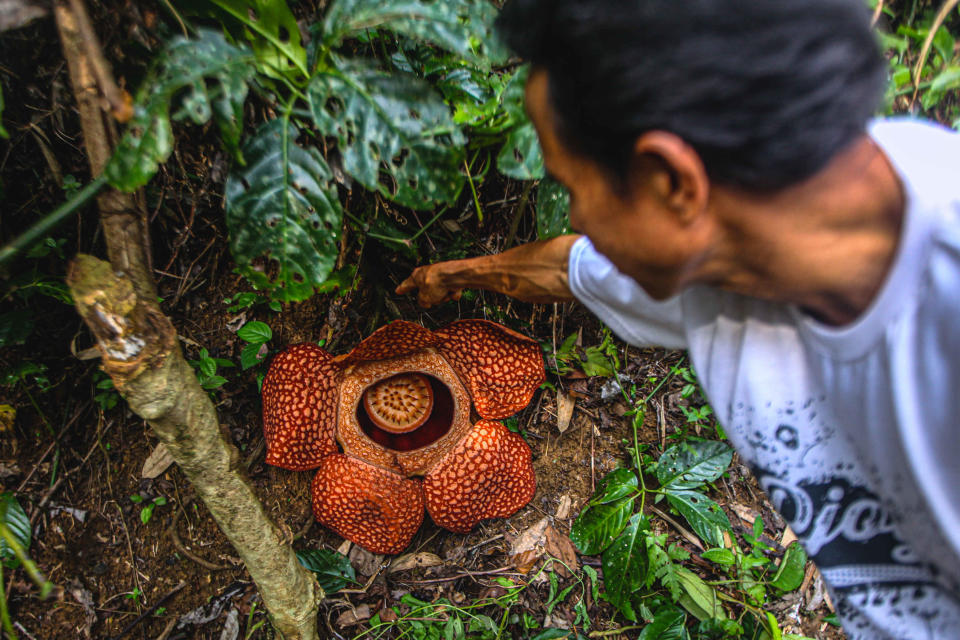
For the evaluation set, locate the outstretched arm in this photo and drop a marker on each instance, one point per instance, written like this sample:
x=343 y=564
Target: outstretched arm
x=534 y=272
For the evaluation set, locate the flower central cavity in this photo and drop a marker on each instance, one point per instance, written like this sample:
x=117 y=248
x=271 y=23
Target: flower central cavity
x=400 y=403
x=406 y=411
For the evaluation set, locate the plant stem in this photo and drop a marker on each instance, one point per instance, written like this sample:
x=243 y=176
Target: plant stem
x=51 y=220
x=4 y=612
x=473 y=190
x=42 y=583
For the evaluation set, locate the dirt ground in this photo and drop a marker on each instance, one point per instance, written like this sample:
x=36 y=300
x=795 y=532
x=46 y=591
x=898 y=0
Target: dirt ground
x=74 y=464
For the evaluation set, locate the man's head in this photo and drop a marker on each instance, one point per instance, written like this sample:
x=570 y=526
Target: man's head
x=765 y=92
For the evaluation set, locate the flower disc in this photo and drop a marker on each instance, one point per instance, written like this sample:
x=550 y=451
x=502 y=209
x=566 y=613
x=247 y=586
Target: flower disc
x=400 y=403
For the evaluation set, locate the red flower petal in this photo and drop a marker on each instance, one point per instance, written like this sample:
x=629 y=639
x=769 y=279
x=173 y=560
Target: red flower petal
x=501 y=367
x=489 y=474
x=375 y=508
x=396 y=339
x=300 y=407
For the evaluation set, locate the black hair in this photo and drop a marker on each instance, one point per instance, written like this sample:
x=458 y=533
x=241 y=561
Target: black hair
x=766 y=91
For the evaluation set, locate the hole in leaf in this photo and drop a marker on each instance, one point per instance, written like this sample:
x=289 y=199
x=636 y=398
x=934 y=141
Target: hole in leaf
x=252 y=14
x=386 y=180
x=272 y=222
x=518 y=156
x=283 y=34
x=297 y=277
x=414 y=114
x=333 y=106
x=400 y=158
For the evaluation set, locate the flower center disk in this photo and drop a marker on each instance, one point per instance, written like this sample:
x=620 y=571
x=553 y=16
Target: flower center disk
x=400 y=403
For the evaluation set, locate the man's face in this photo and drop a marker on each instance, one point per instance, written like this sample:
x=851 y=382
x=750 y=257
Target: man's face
x=628 y=225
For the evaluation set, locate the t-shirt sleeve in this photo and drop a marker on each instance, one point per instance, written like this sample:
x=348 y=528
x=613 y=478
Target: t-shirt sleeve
x=621 y=303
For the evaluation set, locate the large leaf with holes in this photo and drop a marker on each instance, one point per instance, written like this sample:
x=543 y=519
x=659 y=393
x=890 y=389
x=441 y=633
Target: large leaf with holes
x=625 y=565
x=553 y=209
x=395 y=133
x=209 y=77
x=689 y=464
x=272 y=31
x=704 y=515
x=283 y=214
x=520 y=157
x=464 y=27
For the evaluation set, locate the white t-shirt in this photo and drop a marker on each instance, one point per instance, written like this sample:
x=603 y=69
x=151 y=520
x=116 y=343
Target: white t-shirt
x=854 y=432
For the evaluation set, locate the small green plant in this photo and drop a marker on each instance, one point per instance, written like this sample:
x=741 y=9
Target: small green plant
x=106 y=395
x=249 y=299
x=207 y=367
x=256 y=334
x=147 y=506
x=598 y=360
x=332 y=570
x=15 y=541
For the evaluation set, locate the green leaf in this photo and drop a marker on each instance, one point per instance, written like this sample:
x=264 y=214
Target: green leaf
x=333 y=569
x=598 y=525
x=283 y=206
x=13 y=516
x=463 y=27
x=255 y=332
x=395 y=133
x=553 y=209
x=699 y=598
x=15 y=327
x=213 y=382
x=689 y=464
x=521 y=158
x=210 y=74
x=208 y=367
x=790 y=573
x=552 y=633
x=946 y=80
x=720 y=556
x=250 y=355
x=667 y=624
x=704 y=515
x=625 y=565
x=272 y=31
x=147 y=512
x=617 y=484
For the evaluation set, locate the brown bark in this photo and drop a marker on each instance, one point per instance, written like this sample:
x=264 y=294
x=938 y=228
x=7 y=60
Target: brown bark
x=141 y=354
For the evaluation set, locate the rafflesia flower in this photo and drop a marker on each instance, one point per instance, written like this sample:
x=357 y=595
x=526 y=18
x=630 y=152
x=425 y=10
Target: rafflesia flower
x=390 y=430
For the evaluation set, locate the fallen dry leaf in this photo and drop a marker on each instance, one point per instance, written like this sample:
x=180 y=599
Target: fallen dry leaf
x=414 y=560
x=560 y=547
x=565 y=405
x=157 y=462
x=563 y=509
x=529 y=547
x=355 y=616
x=365 y=563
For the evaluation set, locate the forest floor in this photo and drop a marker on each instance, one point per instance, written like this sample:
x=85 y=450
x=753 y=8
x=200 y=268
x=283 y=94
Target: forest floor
x=139 y=557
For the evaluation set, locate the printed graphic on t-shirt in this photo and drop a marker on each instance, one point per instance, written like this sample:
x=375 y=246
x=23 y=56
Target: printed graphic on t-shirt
x=813 y=477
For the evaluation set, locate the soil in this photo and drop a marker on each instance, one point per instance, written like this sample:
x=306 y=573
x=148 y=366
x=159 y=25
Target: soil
x=74 y=464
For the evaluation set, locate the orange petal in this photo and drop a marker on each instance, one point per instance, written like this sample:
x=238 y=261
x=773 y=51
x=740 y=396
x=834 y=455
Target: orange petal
x=375 y=508
x=501 y=367
x=489 y=474
x=300 y=407
x=396 y=339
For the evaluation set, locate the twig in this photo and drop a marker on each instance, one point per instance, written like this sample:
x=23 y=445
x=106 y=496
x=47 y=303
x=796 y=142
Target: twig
x=945 y=10
x=51 y=220
x=121 y=105
x=463 y=574
x=518 y=214
x=689 y=537
x=133 y=559
x=876 y=13
x=180 y=547
x=140 y=618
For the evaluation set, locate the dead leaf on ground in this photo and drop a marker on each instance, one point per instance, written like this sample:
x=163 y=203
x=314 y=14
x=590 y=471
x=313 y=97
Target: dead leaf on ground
x=355 y=616
x=560 y=547
x=364 y=562
x=565 y=406
x=563 y=509
x=415 y=560
x=745 y=513
x=157 y=462
x=529 y=547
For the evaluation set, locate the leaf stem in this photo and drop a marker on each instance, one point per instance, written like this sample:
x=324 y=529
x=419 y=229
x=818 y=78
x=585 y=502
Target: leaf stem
x=473 y=190
x=51 y=220
x=4 y=612
x=42 y=583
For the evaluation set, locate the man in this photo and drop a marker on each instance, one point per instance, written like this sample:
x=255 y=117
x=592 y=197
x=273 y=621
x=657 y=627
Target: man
x=735 y=201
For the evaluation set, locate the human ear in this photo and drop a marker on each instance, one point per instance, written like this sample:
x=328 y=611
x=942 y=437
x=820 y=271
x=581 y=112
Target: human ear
x=679 y=179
